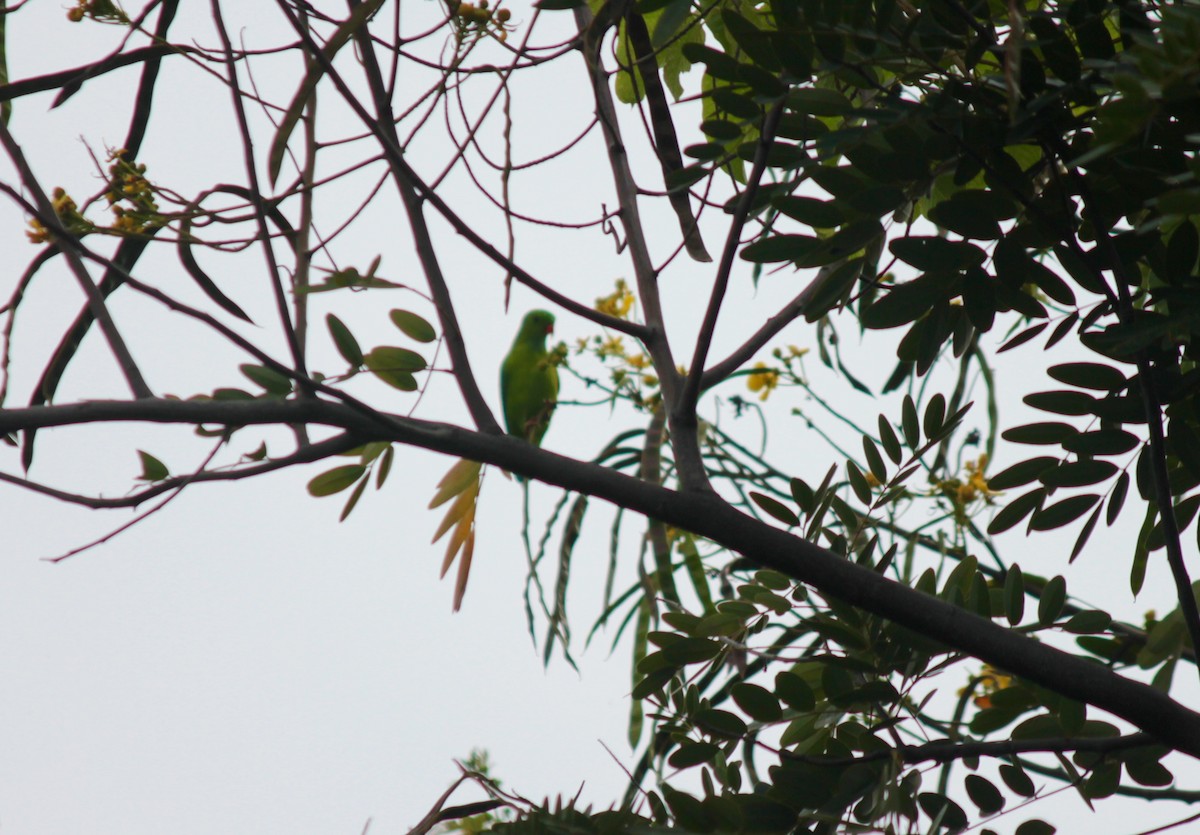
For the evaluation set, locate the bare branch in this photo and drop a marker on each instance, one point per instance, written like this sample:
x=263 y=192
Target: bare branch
x=705 y=514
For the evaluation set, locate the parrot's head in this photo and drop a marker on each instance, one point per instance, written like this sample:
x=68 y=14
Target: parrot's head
x=537 y=324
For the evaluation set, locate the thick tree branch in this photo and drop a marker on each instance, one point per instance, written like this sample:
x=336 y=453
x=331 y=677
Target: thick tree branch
x=666 y=143
x=945 y=750
x=71 y=80
x=691 y=389
x=682 y=422
x=704 y=514
x=260 y=216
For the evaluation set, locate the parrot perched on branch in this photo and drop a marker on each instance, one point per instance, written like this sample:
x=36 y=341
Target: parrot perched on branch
x=529 y=379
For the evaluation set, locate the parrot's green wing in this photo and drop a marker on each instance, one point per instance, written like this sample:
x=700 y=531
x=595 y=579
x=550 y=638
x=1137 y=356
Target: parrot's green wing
x=529 y=379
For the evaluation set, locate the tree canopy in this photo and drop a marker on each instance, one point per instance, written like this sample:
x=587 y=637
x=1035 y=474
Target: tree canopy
x=845 y=638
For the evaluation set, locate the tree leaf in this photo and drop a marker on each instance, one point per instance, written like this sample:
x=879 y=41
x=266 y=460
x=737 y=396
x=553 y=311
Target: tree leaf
x=1088 y=375
x=983 y=794
x=937 y=254
x=1014 y=595
x=1063 y=512
x=152 y=468
x=1022 y=472
x=276 y=384
x=1061 y=402
x=1052 y=601
x=775 y=509
x=344 y=340
x=413 y=326
x=1016 y=510
x=335 y=480
x=759 y=703
x=1040 y=434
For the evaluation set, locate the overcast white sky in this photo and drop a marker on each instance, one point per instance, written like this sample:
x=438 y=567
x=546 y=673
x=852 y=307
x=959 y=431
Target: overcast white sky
x=240 y=662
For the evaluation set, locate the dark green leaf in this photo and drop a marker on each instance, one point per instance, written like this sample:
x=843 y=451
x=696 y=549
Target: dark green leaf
x=759 y=703
x=874 y=460
x=1023 y=337
x=1104 y=781
x=1117 y=499
x=775 y=509
x=1101 y=442
x=983 y=794
x=335 y=480
x=910 y=423
x=720 y=723
x=909 y=301
x=276 y=384
x=1079 y=473
x=803 y=494
x=780 y=248
x=1014 y=595
x=943 y=809
x=395 y=366
x=1040 y=434
x=1017 y=780
x=833 y=290
x=858 y=483
x=346 y=344
x=1022 y=473
x=964 y=215
x=752 y=40
x=693 y=753
x=1149 y=773
x=795 y=692
x=1088 y=622
x=413 y=326
x=152 y=468
x=1061 y=402
x=935 y=413
x=939 y=254
x=691 y=651
x=1088 y=375
x=891 y=443
x=1064 y=512
x=1016 y=510
x=818 y=214
x=1053 y=599
x=818 y=101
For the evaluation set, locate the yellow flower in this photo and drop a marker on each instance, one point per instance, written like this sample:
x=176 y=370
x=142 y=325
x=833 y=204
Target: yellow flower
x=611 y=347
x=976 y=479
x=762 y=380
x=991 y=680
x=618 y=303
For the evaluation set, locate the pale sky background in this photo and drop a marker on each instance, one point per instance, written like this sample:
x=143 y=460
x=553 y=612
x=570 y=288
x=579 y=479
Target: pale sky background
x=240 y=662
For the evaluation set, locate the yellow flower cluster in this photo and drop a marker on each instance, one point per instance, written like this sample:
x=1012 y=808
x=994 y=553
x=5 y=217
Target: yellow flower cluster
x=991 y=681
x=102 y=10
x=68 y=215
x=128 y=183
x=618 y=303
x=762 y=380
x=973 y=486
x=481 y=18
x=976 y=485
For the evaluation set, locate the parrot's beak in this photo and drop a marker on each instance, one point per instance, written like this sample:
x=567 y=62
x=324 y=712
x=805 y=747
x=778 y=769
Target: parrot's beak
x=550 y=328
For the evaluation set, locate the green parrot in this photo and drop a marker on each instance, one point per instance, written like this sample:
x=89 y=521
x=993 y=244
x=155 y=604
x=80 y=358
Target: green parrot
x=529 y=380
